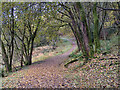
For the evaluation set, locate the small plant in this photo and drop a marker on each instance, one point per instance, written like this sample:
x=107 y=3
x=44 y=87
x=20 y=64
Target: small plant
x=3 y=73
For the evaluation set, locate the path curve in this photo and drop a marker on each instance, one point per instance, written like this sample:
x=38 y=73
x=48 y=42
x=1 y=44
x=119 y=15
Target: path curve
x=46 y=74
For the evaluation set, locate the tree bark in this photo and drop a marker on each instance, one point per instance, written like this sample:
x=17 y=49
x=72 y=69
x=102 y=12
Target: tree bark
x=85 y=30
x=12 y=38
x=5 y=57
x=78 y=43
x=96 y=28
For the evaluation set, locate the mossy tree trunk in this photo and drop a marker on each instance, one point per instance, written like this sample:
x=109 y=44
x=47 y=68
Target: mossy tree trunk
x=96 y=28
x=85 y=30
x=78 y=33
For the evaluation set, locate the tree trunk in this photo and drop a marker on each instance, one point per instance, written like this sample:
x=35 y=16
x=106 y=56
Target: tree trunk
x=85 y=30
x=22 y=55
x=31 y=50
x=5 y=58
x=78 y=43
x=96 y=28
x=12 y=39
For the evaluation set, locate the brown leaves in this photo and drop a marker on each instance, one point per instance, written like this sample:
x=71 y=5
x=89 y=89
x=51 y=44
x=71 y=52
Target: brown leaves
x=48 y=74
x=101 y=73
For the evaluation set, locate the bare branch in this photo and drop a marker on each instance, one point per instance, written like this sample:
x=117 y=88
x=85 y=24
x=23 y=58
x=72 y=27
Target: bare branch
x=62 y=20
x=109 y=9
x=64 y=14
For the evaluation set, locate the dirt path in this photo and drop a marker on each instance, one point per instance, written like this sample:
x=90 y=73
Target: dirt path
x=48 y=74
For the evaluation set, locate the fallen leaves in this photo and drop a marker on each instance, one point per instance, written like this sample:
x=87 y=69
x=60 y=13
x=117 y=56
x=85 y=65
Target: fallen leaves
x=100 y=72
x=48 y=74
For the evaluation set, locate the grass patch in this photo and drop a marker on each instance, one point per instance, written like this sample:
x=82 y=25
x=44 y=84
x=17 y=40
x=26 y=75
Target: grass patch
x=63 y=46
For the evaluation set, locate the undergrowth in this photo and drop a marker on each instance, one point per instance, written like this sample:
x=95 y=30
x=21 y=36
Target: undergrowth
x=101 y=71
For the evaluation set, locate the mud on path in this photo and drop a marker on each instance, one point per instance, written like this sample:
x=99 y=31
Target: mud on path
x=49 y=73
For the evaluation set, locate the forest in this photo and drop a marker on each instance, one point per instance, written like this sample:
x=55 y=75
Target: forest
x=59 y=44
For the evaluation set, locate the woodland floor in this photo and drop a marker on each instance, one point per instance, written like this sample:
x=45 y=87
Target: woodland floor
x=100 y=72
x=49 y=73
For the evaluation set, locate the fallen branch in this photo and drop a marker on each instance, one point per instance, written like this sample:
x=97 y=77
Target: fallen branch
x=66 y=65
x=73 y=60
